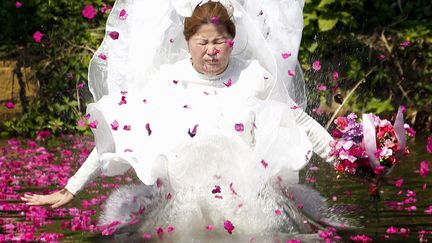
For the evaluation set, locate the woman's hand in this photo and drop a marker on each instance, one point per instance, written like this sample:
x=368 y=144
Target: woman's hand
x=56 y=199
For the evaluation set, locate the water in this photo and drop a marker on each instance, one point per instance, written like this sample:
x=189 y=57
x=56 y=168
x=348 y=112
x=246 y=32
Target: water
x=348 y=199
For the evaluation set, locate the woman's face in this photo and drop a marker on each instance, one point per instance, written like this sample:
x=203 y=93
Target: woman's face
x=209 y=49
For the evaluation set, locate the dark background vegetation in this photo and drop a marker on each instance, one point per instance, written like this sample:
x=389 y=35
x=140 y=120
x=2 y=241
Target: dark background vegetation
x=347 y=36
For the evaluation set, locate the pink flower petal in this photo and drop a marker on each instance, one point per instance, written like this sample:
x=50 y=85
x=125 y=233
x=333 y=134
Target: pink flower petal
x=228 y=226
x=93 y=124
x=424 y=168
x=210 y=227
x=264 y=163
x=123 y=14
x=114 y=125
x=230 y=43
x=278 y=212
x=429 y=144
x=10 y=105
x=228 y=83
x=193 y=132
x=123 y=100
x=170 y=229
x=127 y=127
x=89 y=12
x=291 y=73
x=114 y=35
x=102 y=56
x=316 y=65
x=217 y=189
x=286 y=55
x=18 y=4
x=149 y=131
x=239 y=127
x=175 y=81
x=214 y=20
x=399 y=183
x=37 y=36
x=381 y=56
x=335 y=75
x=147 y=236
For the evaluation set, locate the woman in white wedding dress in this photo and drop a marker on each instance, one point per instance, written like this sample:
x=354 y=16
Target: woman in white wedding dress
x=207 y=122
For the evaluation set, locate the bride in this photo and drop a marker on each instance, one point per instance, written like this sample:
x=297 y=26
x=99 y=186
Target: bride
x=204 y=100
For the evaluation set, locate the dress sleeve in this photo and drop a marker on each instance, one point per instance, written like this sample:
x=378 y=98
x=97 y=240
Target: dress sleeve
x=316 y=133
x=87 y=172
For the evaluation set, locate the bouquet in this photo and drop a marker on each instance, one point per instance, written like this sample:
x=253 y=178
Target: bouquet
x=369 y=149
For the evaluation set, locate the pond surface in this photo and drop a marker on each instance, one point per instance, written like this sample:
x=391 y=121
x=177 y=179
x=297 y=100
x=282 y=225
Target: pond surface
x=25 y=166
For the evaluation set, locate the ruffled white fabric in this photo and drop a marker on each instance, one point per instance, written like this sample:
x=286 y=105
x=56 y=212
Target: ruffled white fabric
x=237 y=133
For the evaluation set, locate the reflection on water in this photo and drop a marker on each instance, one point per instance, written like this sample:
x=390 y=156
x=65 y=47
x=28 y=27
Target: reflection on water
x=401 y=207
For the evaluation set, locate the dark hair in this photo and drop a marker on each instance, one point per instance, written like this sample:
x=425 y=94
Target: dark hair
x=203 y=14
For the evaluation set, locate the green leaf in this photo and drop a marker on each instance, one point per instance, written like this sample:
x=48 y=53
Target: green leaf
x=324 y=3
x=326 y=24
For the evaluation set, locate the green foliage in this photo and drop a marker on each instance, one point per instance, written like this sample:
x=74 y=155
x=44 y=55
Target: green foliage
x=59 y=63
x=348 y=36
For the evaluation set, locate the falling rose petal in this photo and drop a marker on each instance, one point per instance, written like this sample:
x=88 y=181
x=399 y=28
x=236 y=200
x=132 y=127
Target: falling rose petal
x=170 y=229
x=278 y=212
x=123 y=92
x=127 y=127
x=37 y=36
x=429 y=144
x=260 y=13
x=316 y=65
x=102 y=56
x=294 y=107
x=230 y=43
x=175 y=81
x=321 y=88
x=93 y=124
x=300 y=205
x=89 y=12
x=87 y=116
x=311 y=179
x=128 y=150
x=216 y=51
x=379 y=170
x=239 y=127
x=171 y=40
x=424 y=168
x=193 y=132
x=228 y=226
x=424 y=187
x=214 y=20
x=169 y=196
x=18 y=4
x=115 y=125
x=217 y=189
x=114 y=35
x=209 y=227
x=149 y=131
x=106 y=9
x=206 y=93
x=123 y=100
x=291 y=73
x=264 y=163
x=159 y=231
x=228 y=83
x=123 y=14
x=334 y=198
x=335 y=75
x=147 y=236
x=186 y=106
x=399 y=183
x=10 y=105
x=286 y=55
x=218 y=197
x=381 y=56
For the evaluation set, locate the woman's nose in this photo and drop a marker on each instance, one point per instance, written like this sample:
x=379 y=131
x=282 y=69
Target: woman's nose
x=212 y=51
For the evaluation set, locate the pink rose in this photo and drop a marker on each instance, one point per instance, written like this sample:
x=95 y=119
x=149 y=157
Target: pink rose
x=316 y=65
x=10 y=105
x=37 y=36
x=89 y=12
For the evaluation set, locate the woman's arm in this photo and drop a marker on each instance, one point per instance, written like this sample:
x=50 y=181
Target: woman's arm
x=317 y=134
x=87 y=172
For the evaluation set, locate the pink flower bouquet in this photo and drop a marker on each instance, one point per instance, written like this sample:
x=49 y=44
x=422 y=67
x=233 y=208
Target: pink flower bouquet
x=370 y=148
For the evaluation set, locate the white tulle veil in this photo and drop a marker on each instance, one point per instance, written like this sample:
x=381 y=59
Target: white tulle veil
x=142 y=35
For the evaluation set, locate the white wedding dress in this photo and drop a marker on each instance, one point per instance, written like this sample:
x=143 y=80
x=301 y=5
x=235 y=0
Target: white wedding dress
x=207 y=149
